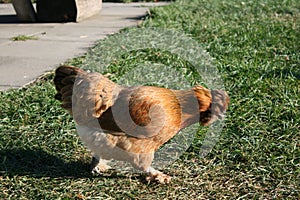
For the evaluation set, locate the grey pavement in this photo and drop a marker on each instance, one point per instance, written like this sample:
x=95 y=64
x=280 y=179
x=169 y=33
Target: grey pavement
x=21 y=62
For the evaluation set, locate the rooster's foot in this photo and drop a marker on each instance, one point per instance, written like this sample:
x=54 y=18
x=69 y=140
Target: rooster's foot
x=157 y=176
x=98 y=166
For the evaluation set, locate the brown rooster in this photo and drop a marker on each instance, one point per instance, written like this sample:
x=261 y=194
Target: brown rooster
x=131 y=123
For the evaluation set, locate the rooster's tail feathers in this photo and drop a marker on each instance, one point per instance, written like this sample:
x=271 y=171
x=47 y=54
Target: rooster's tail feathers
x=64 y=80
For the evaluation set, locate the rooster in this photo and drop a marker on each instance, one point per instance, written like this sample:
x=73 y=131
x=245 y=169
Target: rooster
x=131 y=123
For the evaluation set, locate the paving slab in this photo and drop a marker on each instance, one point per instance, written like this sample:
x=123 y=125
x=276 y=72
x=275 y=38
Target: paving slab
x=21 y=62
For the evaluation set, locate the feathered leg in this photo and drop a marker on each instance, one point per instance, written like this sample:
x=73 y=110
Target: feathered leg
x=143 y=162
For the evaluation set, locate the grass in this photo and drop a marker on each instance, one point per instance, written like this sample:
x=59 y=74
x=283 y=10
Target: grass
x=256 y=48
x=24 y=38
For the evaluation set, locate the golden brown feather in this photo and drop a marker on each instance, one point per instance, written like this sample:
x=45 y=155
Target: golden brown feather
x=131 y=123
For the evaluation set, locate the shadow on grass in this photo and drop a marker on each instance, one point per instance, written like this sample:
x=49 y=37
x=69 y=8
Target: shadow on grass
x=39 y=163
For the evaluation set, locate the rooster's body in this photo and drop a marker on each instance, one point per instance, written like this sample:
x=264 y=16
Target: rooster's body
x=131 y=123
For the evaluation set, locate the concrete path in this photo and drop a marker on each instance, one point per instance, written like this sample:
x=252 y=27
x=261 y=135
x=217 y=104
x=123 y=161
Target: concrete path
x=21 y=62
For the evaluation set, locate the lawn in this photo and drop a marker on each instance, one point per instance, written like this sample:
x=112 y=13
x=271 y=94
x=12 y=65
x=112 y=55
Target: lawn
x=256 y=48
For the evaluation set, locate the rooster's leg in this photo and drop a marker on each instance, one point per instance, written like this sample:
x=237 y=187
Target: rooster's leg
x=156 y=176
x=98 y=166
x=143 y=162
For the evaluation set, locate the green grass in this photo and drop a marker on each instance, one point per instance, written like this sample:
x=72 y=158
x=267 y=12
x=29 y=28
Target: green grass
x=256 y=48
x=24 y=38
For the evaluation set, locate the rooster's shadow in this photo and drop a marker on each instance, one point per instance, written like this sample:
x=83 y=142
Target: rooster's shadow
x=39 y=163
